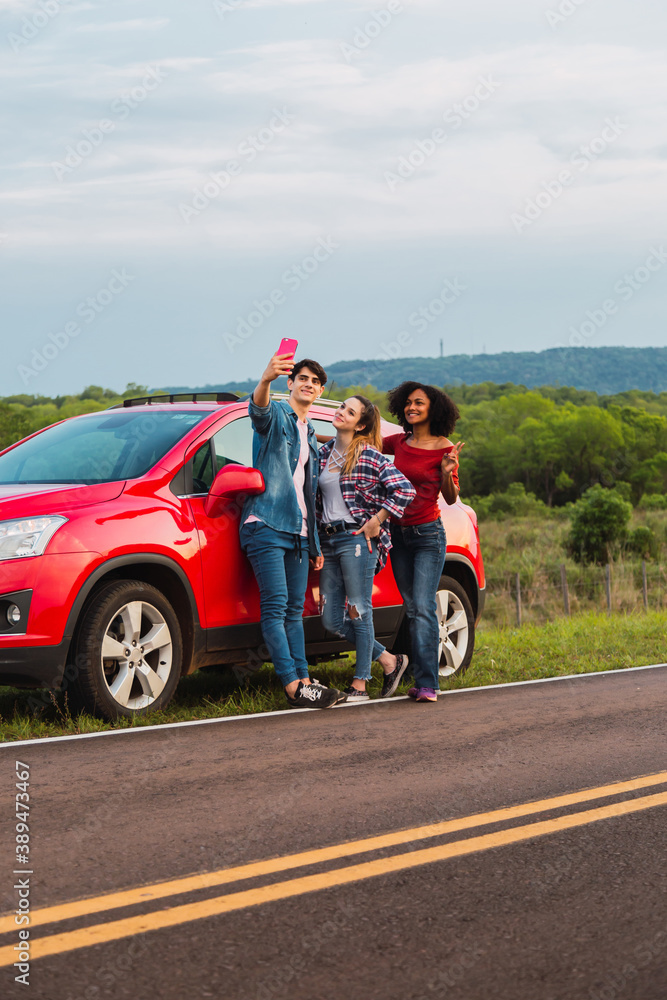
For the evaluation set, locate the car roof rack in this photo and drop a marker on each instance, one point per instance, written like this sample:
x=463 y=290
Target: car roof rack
x=181 y=397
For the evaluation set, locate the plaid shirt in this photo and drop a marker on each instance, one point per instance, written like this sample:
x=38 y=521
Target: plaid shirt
x=374 y=482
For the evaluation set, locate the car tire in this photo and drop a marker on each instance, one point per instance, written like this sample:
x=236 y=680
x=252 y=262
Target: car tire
x=128 y=651
x=456 y=621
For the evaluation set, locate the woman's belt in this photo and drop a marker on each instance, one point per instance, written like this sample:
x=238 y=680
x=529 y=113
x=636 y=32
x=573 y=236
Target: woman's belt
x=335 y=526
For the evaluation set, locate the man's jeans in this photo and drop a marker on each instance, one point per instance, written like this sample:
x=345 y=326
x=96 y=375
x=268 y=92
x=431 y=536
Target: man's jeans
x=281 y=571
x=418 y=559
x=348 y=571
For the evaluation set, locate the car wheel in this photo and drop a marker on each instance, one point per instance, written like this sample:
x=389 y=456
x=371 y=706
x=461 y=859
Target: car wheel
x=456 y=622
x=128 y=651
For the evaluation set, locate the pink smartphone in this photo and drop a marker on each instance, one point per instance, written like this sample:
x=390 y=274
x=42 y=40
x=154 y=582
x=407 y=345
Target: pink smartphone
x=288 y=346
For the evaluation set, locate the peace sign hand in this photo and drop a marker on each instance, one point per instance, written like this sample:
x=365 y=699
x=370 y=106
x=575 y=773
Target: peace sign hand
x=450 y=461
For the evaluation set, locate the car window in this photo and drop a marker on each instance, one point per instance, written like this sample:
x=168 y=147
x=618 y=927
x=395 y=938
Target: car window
x=97 y=448
x=233 y=444
x=322 y=427
x=202 y=469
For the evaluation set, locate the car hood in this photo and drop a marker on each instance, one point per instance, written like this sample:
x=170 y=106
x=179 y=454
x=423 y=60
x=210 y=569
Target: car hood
x=33 y=499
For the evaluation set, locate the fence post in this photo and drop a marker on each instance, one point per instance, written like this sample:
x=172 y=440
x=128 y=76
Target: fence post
x=566 y=594
x=607 y=586
x=518 y=600
x=644 y=585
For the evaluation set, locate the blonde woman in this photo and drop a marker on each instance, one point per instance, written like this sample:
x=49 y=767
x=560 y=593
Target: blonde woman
x=359 y=488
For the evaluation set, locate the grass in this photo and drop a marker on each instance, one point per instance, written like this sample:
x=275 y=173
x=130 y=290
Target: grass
x=533 y=547
x=583 y=643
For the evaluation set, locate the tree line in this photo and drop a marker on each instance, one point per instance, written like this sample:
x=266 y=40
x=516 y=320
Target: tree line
x=554 y=442
x=602 y=369
x=24 y=414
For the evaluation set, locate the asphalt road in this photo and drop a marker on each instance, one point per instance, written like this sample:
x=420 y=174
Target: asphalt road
x=561 y=900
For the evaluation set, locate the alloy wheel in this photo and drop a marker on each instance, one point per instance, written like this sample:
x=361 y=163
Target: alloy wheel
x=454 y=632
x=137 y=651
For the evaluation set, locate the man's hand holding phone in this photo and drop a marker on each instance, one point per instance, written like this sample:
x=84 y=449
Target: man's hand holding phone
x=280 y=364
x=282 y=361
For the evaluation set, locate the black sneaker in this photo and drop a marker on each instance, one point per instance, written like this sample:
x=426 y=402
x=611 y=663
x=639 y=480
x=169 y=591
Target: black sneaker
x=341 y=694
x=315 y=696
x=392 y=680
x=356 y=696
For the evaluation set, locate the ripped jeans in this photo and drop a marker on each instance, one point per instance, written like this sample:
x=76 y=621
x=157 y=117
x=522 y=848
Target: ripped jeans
x=348 y=571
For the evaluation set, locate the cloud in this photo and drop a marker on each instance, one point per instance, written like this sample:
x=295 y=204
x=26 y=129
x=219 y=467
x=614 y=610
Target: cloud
x=353 y=122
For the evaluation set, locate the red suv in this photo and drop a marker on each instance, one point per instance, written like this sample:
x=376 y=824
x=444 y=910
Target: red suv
x=120 y=564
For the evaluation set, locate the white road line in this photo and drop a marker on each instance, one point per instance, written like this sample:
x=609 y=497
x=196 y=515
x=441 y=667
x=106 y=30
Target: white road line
x=298 y=711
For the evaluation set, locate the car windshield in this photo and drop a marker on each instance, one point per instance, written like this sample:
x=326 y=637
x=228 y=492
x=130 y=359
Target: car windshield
x=98 y=448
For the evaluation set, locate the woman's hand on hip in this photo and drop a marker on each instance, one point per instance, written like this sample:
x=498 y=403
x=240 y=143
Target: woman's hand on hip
x=371 y=529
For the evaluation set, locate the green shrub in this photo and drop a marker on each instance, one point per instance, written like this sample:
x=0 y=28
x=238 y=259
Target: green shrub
x=514 y=502
x=643 y=542
x=624 y=490
x=13 y=425
x=599 y=524
x=653 y=501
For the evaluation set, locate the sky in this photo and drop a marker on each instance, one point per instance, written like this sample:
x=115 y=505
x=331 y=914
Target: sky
x=184 y=184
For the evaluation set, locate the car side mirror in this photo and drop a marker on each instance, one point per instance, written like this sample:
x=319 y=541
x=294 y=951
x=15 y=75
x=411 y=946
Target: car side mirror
x=230 y=488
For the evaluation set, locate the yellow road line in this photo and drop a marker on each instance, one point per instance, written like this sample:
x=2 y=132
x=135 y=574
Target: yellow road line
x=101 y=933
x=206 y=880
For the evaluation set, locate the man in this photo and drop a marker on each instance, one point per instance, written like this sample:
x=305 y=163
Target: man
x=278 y=530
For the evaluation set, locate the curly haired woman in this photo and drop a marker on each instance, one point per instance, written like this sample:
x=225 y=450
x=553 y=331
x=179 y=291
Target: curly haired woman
x=429 y=460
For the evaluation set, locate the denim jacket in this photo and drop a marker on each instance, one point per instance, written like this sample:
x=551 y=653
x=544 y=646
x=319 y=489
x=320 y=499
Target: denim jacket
x=275 y=452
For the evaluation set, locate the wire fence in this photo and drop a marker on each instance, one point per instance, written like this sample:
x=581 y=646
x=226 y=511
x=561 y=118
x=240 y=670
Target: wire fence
x=539 y=595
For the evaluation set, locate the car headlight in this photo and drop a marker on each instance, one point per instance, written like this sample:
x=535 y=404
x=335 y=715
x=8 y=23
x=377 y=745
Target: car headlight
x=27 y=537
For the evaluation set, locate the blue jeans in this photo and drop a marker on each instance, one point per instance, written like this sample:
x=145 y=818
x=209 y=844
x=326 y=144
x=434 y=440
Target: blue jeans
x=281 y=571
x=418 y=559
x=348 y=571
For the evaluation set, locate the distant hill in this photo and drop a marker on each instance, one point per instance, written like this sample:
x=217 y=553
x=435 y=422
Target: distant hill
x=605 y=370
